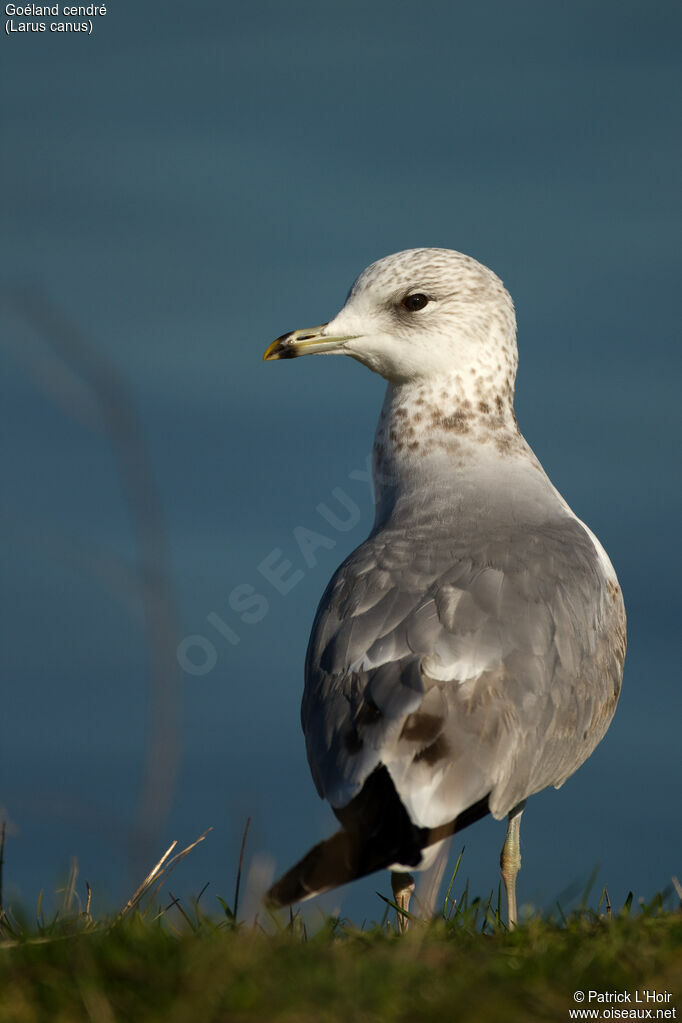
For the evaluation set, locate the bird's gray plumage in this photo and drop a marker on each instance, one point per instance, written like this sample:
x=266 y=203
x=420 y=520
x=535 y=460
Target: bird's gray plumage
x=536 y=604
x=470 y=652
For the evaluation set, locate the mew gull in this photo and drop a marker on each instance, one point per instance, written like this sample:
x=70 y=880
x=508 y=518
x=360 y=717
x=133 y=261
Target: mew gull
x=470 y=652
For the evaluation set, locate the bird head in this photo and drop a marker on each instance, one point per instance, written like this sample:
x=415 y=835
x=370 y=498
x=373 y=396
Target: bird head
x=420 y=314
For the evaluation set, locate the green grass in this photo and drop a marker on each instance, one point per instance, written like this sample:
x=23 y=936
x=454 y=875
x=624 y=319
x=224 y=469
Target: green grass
x=186 y=964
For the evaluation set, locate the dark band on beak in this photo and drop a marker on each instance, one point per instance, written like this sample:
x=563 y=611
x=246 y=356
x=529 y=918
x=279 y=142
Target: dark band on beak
x=281 y=348
x=309 y=340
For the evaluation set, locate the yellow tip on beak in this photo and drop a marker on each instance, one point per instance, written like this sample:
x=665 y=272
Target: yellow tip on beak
x=302 y=342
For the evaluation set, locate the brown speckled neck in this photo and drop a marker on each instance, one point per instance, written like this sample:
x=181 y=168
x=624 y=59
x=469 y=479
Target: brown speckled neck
x=434 y=439
x=449 y=417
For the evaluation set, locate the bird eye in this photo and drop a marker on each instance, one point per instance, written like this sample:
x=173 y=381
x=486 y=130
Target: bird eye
x=413 y=303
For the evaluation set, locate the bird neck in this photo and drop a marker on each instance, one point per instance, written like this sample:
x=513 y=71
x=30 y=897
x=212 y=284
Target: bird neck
x=436 y=435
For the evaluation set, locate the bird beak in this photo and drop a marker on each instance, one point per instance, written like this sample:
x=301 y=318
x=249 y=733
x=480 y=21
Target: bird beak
x=309 y=341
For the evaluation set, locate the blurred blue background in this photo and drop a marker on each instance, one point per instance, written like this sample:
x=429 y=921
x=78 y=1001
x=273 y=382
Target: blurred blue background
x=182 y=186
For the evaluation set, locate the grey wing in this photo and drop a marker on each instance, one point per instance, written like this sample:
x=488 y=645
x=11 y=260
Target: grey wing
x=489 y=666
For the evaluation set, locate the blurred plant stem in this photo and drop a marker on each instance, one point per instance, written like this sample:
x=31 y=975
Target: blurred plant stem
x=103 y=394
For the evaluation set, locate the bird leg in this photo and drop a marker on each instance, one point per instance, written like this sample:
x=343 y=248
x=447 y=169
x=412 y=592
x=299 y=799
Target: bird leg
x=403 y=886
x=510 y=861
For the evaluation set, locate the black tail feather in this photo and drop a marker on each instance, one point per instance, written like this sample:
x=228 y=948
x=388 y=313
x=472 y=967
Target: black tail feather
x=376 y=833
x=331 y=863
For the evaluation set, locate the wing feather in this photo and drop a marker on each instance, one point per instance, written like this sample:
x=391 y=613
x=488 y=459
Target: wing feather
x=489 y=664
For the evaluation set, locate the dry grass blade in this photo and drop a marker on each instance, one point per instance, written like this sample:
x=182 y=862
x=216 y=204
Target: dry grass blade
x=172 y=864
x=676 y=883
x=70 y=888
x=609 y=914
x=147 y=883
x=158 y=875
x=176 y=903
